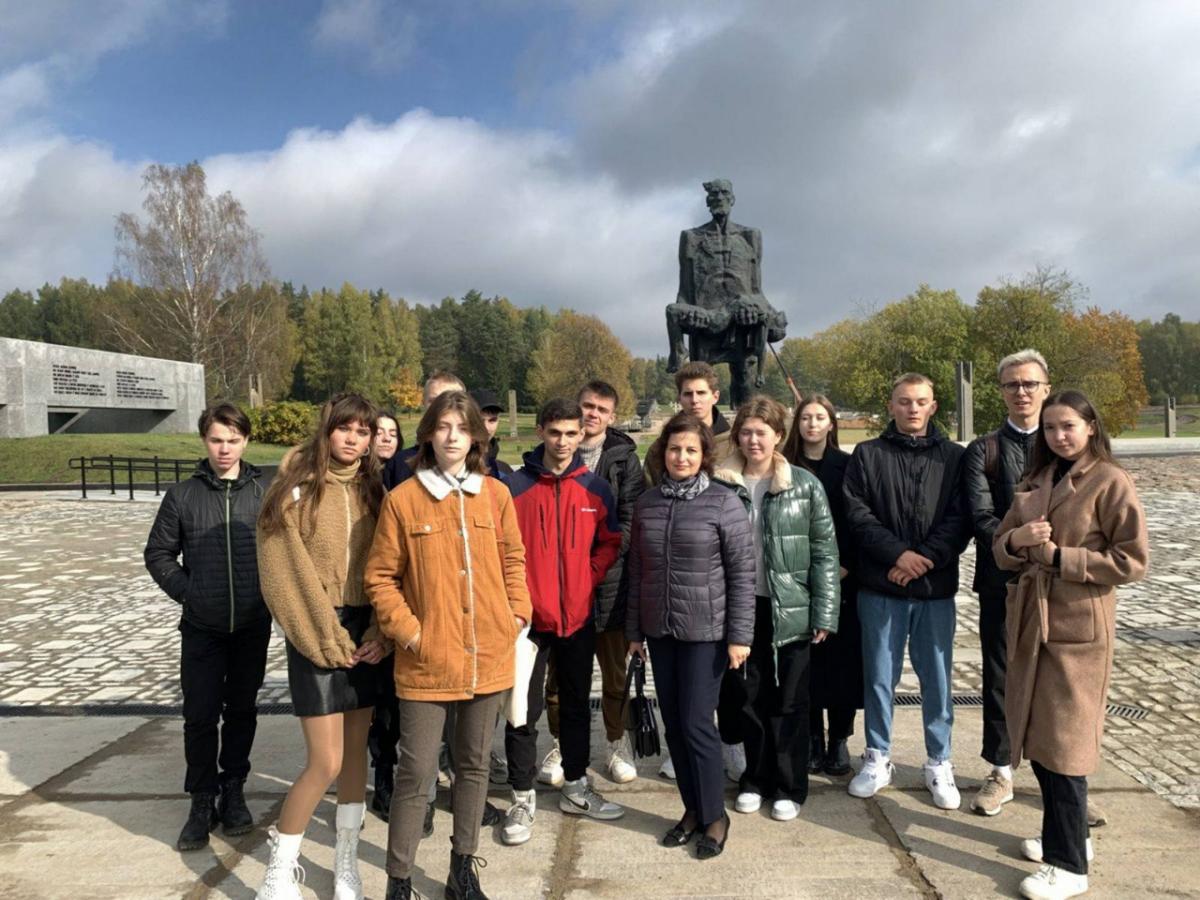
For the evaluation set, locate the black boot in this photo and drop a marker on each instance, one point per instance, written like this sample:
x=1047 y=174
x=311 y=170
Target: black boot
x=231 y=807
x=816 y=752
x=492 y=815
x=427 y=828
x=398 y=889
x=381 y=800
x=837 y=762
x=463 y=883
x=202 y=818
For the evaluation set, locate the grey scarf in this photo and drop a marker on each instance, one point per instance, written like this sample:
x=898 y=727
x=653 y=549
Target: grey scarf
x=688 y=489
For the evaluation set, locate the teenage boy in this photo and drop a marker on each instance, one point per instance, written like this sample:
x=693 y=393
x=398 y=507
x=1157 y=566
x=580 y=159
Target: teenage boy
x=905 y=512
x=489 y=404
x=209 y=520
x=696 y=385
x=992 y=466
x=568 y=520
x=613 y=456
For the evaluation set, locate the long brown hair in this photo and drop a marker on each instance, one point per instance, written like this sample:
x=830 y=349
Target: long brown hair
x=457 y=402
x=309 y=463
x=793 y=447
x=1098 y=444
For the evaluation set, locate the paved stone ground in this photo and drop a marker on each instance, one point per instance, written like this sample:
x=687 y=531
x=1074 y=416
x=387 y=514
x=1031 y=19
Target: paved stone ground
x=82 y=623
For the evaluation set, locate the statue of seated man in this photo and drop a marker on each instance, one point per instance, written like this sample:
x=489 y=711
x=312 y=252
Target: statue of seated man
x=720 y=303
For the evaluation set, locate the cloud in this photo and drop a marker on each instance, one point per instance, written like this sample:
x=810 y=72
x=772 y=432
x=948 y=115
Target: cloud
x=380 y=33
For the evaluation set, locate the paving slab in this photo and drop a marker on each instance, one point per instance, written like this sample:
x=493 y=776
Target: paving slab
x=34 y=749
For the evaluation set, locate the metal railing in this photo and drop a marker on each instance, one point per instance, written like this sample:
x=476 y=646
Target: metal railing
x=165 y=471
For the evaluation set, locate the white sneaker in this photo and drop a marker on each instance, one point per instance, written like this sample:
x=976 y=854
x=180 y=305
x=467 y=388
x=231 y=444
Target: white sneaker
x=518 y=821
x=748 y=802
x=1053 y=883
x=876 y=774
x=551 y=772
x=667 y=769
x=1031 y=849
x=347 y=882
x=784 y=810
x=735 y=761
x=284 y=873
x=579 y=798
x=620 y=769
x=939 y=778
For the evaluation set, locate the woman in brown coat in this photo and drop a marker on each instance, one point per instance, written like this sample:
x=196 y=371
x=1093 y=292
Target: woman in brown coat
x=1074 y=532
x=446 y=575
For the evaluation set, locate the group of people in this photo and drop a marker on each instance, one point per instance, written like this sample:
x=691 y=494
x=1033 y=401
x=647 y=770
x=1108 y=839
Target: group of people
x=770 y=579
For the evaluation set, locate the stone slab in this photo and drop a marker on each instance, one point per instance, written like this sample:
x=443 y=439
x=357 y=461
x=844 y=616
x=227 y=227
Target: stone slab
x=33 y=750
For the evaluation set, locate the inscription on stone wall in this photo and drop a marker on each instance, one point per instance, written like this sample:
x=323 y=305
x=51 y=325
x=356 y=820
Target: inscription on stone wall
x=132 y=386
x=67 y=379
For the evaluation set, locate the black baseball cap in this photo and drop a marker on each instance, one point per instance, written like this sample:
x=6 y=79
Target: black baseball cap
x=487 y=399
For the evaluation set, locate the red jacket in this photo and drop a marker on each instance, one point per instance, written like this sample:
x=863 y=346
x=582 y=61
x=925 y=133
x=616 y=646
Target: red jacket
x=569 y=525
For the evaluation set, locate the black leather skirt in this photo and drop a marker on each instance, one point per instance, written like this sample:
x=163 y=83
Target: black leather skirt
x=320 y=692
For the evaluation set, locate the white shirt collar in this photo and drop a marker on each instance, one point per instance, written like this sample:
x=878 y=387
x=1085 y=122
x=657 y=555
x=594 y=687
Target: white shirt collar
x=1016 y=427
x=440 y=485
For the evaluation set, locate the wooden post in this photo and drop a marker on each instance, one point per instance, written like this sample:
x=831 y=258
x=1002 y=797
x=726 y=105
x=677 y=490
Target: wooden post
x=964 y=373
x=1169 y=417
x=512 y=413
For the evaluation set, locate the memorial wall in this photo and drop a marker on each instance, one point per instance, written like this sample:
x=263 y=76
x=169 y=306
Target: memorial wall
x=51 y=389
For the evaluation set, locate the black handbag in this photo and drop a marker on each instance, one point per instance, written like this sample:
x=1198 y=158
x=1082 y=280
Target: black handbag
x=640 y=722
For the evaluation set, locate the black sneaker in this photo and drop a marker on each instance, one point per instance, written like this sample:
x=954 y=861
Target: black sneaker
x=816 y=753
x=427 y=828
x=202 y=819
x=492 y=815
x=231 y=807
x=837 y=760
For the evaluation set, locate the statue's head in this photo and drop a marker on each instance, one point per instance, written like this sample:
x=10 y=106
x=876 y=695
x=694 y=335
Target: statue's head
x=720 y=196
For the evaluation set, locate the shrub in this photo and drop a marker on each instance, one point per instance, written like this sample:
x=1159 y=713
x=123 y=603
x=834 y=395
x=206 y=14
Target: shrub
x=287 y=422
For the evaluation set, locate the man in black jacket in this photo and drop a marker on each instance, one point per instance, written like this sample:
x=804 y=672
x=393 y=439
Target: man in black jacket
x=397 y=469
x=489 y=404
x=992 y=466
x=613 y=456
x=904 y=506
x=210 y=520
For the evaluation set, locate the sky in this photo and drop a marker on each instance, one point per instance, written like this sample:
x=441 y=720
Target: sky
x=551 y=152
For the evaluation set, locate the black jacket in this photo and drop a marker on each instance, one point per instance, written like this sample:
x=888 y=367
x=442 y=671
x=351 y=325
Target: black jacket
x=691 y=568
x=211 y=523
x=620 y=467
x=988 y=499
x=905 y=493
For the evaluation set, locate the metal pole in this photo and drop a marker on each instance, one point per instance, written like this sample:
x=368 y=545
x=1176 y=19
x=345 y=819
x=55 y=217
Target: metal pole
x=788 y=375
x=156 y=492
x=83 y=475
x=112 y=476
x=129 y=470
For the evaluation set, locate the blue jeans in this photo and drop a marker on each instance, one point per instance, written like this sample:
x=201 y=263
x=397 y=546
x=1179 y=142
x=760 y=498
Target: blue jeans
x=928 y=628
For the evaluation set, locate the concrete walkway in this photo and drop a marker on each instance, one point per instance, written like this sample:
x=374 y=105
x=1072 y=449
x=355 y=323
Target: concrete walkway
x=90 y=807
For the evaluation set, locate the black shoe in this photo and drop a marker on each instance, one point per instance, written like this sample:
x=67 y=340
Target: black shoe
x=492 y=815
x=399 y=889
x=816 y=753
x=381 y=800
x=708 y=848
x=463 y=883
x=427 y=828
x=837 y=761
x=231 y=807
x=202 y=818
x=678 y=835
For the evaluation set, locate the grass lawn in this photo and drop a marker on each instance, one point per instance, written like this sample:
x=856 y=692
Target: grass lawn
x=1150 y=423
x=44 y=459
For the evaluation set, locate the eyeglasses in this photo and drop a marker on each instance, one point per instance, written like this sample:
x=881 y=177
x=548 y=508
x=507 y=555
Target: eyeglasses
x=1012 y=387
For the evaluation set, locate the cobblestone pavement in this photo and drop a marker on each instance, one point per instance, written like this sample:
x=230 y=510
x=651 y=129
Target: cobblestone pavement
x=82 y=623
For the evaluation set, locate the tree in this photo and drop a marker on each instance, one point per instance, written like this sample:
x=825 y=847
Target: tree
x=196 y=252
x=71 y=314
x=1171 y=355
x=19 y=317
x=1101 y=358
x=405 y=392
x=575 y=350
x=439 y=336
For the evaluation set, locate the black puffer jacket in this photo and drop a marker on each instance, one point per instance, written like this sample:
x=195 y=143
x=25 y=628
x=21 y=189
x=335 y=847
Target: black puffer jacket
x=620 y=467
x=691 y=568
x=905 y=493
x=211 y=523
x=988 y=499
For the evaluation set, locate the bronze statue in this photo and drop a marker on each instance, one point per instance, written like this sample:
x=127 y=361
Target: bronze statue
x=720 y=305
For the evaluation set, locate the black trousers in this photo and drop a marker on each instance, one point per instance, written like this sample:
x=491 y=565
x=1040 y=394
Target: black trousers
x=1064 y=819
x=775 y=723
x=220 y=673
x=384 y=733
x=687 y=680
x=993 y=642
x=573 y=667
x=841 y=722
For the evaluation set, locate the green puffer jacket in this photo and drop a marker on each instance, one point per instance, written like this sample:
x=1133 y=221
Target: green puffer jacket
x=799 y=547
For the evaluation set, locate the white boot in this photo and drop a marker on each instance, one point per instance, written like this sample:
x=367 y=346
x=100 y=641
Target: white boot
x=347 y=883
x=284 y=873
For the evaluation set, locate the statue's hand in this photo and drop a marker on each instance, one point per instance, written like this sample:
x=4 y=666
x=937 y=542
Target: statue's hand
x=747 y=312
x=691 y=316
